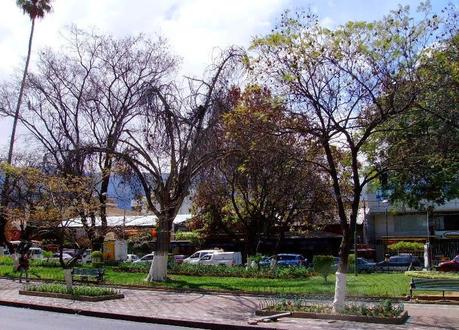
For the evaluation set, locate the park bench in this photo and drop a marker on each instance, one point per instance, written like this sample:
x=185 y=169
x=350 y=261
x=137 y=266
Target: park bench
x=85 y=274
x=443 y=285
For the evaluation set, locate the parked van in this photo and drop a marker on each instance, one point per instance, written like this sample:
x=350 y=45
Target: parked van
x=36 y=253
x=222 y=258
x=195 y=257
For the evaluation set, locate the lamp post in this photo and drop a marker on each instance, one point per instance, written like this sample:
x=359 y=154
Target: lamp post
x=386 y=203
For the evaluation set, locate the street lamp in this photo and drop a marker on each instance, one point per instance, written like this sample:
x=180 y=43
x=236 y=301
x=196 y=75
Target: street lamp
x=386 y=203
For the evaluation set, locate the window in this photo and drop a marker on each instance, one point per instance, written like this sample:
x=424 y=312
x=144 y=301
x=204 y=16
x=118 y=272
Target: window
x=451 y=222
x=194 y=256
x=412 y=224
x=286 y=257
x=206 y=257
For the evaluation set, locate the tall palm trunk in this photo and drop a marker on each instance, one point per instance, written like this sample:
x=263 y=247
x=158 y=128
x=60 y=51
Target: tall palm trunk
x=4 y=194
x=21 y=92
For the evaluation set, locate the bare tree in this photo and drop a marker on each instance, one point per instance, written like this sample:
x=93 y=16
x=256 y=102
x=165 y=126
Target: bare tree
x=170 y=148
x=89 y=95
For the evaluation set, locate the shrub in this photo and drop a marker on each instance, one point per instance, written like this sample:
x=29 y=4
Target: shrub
x=47 y=254
x=6 y=260
x=97 y=255
x=226 y=271
x=383 y=309
x=45 y=263
x=351 y=263
x=406 y=246
x=323 y=265
x=193 y=236
x=92 y=291
x=97 y=259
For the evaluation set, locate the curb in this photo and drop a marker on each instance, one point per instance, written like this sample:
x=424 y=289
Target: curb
x=132 y=318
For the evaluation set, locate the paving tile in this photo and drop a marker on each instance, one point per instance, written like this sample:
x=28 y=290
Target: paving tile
x=225 y=309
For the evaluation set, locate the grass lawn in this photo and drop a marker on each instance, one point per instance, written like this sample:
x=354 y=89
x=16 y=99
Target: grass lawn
x=379 y=284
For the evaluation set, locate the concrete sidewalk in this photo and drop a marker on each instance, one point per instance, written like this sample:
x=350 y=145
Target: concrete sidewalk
x=214 y=310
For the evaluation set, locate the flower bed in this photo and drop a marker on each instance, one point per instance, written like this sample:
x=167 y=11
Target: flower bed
x=83 y=293
x=385 y=312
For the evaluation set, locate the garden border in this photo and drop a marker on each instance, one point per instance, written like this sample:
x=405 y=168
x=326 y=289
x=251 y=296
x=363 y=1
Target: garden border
x=341 y=317
x=70 y=296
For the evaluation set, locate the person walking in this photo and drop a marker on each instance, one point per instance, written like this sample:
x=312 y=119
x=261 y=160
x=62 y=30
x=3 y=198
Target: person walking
x=23 y=266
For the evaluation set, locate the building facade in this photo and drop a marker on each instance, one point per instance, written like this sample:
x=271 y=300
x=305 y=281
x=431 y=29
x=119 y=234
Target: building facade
x=385 y=224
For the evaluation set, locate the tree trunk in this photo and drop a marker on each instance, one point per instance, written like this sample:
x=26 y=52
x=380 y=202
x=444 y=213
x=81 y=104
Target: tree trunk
x=158 y=269
x=340 y=283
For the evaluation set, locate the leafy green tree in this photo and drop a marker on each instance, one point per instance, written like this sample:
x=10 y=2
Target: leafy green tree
x=344 y=85
x=421 y=148
x=323 y=265
x=261 y=187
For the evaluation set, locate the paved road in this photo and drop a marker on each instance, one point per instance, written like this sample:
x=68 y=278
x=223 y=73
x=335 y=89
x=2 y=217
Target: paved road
x=12 y=318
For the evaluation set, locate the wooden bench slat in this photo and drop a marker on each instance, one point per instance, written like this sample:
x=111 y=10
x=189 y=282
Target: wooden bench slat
x=434 y=285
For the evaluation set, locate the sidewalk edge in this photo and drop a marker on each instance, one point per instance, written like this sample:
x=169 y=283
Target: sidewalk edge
x=132 y=318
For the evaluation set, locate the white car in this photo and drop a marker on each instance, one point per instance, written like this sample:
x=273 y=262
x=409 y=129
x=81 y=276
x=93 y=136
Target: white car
x=145 y=259
x=36 y=253
x=222 y=258
x=65 y=256
x=131 y=258
x=195 y=257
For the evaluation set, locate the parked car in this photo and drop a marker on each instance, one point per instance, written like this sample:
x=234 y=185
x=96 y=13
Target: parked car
x=221 y=258
x=36 y=253
x=363 y=265
x=400 y=262
x=65 y=256
x=146 y=258
x=285 y=259
x=195 y=257
x=131 y=258
x=86 y=257
x=449 y=266
x=179 y=258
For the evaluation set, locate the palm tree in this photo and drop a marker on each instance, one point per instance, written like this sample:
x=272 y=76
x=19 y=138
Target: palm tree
x=35 y=9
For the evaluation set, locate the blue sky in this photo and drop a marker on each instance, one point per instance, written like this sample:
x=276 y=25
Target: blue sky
x=195 y=29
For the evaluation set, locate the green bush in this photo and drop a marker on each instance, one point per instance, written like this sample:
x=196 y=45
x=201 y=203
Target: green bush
x=47 y=254
x=193 y=236
x=6 y=260
x=97 y=258
x=97 y=255
x=220 y=271
x=383 y=309
x=406 y=246
x=45 y=263
x=226 y=271
x=92 y=291
x=351 y=263
x=323 y=265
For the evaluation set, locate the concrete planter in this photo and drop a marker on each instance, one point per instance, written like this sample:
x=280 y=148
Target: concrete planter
x=71 y=297
x=356 y=318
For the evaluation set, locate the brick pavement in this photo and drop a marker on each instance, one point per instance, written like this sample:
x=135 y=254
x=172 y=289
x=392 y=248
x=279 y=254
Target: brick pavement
x=225 y=309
